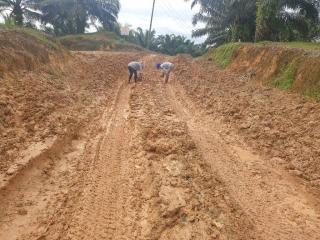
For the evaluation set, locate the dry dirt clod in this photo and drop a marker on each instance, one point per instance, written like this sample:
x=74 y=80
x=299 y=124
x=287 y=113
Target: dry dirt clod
x=22 y=212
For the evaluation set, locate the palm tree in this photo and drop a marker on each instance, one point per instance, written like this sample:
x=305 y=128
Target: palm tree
x=65 y=16
x=286 y=20
x=141 y=37
x=72 y=16
x=228 y=20
x=20 y=10
x=106 y=11
x=173 y=44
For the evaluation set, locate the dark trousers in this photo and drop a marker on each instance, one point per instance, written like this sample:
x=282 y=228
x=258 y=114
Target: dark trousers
x=132 y=72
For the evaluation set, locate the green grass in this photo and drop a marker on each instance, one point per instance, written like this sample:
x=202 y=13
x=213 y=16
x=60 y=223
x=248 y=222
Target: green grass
x=97 y=41
x=297 y=45
x=313 y=94
x=5 y=26
x=222 y=55
x=39 y=36
x=286 y=79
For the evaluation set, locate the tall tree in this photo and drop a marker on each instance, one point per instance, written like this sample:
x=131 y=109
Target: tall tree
x=141 y=37
x=72 y=16
x=167 y=44
x=105 y=11
x=225 y=20
x=286 y=20
x=248 y=20
x=64 y=16
x=174 y=44
x=20 y=10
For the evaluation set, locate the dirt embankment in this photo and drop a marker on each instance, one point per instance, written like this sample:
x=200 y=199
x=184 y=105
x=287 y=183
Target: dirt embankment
x=27 y=49
x=40 y=107
x=282 y=126
x=286 y=68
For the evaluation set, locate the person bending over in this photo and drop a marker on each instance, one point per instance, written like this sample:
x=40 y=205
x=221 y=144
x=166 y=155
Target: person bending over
x=134 y=68
x=166 y=68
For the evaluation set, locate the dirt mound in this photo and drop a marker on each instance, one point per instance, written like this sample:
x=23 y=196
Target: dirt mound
x=104 y=41
x=282 y=126
x=27 y=49
x=285 y=68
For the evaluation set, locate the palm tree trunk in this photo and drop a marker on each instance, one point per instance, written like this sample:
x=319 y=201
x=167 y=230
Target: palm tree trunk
x=17 y=13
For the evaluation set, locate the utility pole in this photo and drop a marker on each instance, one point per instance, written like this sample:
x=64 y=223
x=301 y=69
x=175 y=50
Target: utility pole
x=151 y=20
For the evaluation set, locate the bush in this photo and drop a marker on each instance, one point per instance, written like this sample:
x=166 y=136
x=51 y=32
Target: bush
x=222 y=55
x=285 y=80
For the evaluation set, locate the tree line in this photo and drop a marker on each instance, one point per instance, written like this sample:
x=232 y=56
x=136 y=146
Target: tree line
x=223 y=21
x=257 y=20
x=169 y=44
x=61 y=17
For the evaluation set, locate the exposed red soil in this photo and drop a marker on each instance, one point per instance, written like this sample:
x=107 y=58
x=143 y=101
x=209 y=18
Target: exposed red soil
x=266 y=63
x=43 y=104
x=211 y=155
x=23 y=51
x=281 y=125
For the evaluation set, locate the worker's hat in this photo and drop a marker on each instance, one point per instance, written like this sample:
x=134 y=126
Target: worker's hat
x=158 y=65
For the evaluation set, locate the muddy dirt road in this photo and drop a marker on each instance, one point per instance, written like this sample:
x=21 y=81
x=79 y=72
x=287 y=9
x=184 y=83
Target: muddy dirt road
x=152 y=164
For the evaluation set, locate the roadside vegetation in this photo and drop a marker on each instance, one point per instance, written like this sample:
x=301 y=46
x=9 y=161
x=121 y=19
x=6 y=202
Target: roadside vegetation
x=222 y=55
x=42 y=37
x=69 y=20
x=287 y=66
x=169 y=44
x=286 y=78
x=313 y=94
x=222 y=21
x=297 y=45
x=257 y=20
x=61 y=17
x=39 y=36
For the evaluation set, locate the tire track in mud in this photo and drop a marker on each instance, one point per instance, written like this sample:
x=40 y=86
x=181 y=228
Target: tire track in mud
x=279 y=205
x=96 y=213
x=180 y=198
x=93 y=201
x=39 y=188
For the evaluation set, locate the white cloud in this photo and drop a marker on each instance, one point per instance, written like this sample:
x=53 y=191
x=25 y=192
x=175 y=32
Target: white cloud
x=169 y=17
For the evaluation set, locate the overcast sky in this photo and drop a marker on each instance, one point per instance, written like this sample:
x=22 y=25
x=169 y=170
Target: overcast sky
x=171 y=16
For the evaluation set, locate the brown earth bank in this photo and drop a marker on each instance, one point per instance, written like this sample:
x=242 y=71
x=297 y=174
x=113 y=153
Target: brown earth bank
x=26 y=49
x=267 y=63
x=211 y=155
